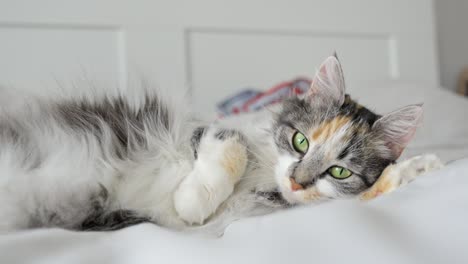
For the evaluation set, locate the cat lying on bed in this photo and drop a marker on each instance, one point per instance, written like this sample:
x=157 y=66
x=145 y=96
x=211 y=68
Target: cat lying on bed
x=103 y=164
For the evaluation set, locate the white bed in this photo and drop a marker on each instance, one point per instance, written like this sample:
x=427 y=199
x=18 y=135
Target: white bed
x=424 y=222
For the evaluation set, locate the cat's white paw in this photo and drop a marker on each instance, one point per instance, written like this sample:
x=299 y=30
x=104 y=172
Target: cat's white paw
x=221 y=162
x=220 y=165
x=200 y=194
x=402 y=173
x=409 y=169
x=191 y=202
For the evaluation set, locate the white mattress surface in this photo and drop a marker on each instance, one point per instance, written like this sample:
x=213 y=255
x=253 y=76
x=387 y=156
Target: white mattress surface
x=424 y=222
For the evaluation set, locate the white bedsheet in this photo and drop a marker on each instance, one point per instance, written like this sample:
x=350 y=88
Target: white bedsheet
x=424 y=222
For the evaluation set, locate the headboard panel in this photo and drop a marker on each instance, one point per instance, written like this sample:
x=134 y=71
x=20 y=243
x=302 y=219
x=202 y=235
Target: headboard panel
x=228 y=60
x=214 y=48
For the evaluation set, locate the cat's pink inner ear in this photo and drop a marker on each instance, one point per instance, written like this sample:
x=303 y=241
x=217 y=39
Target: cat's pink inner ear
x=399 y=145
x=319 y=77
x=328 y=82
x=399 y=127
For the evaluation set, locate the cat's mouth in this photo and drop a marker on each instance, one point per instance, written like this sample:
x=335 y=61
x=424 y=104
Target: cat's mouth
x=299 y=193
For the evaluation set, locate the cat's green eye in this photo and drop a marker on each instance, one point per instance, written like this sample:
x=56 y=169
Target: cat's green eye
x=339 y=172
x=300 y=142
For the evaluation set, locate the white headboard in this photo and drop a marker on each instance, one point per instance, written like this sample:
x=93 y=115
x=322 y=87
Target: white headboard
x=214 y=47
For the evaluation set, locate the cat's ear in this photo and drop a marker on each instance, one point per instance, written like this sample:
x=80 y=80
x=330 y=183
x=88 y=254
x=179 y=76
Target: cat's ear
x=328 y=83
x=398 y=128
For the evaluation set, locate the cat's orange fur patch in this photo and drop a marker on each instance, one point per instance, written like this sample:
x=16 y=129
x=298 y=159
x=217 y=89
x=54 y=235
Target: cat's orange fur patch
x=328 y=128
x=385 y=184
x=234 y=160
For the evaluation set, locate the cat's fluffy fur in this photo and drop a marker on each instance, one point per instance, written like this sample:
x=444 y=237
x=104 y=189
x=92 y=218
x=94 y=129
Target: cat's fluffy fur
x=105 y=162
x=60 y=163
x=101 y=162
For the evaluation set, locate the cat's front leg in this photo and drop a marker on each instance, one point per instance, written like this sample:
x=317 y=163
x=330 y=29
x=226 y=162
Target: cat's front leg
x=402 y=173
x=221 y=160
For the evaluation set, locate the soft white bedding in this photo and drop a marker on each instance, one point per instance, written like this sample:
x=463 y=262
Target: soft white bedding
x=424 y=222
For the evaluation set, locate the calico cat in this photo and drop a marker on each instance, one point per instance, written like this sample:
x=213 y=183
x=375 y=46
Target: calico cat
x=106 y=163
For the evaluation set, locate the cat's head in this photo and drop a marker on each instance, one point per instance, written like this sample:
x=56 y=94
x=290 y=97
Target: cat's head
x=329 y=146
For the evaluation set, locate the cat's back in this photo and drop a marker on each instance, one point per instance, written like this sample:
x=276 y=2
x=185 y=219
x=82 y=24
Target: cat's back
x=126 y=120
x=61 y=152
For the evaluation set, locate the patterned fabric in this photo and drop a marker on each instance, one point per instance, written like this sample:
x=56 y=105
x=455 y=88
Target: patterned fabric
x=251 y=100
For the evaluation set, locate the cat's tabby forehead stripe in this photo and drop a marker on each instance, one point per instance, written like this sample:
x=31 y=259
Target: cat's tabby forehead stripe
x=328 y=128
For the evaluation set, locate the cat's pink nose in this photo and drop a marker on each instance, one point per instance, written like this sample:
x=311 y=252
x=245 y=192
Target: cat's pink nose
x=295 y=186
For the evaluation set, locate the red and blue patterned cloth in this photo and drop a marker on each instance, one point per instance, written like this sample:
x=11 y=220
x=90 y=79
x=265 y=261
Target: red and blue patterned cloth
x=251 y=100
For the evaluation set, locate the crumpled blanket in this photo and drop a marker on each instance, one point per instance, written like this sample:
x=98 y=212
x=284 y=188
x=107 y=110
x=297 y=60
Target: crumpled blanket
x=251 y=99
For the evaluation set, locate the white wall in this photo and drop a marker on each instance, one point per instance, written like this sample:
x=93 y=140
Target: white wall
x=452 y=26
x=212 y=47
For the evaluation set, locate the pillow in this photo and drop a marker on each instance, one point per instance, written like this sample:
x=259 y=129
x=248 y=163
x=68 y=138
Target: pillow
x=445 y=126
